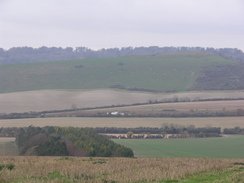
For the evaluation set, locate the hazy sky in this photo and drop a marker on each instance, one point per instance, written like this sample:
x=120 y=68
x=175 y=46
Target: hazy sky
x=121 y=23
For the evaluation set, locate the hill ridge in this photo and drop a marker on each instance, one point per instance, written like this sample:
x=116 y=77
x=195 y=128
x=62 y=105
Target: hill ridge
x=29 y=54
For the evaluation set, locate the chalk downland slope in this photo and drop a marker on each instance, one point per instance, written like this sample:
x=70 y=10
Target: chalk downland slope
x=169 y=72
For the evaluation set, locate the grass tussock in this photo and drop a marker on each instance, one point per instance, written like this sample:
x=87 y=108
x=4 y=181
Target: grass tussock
x=112 y=170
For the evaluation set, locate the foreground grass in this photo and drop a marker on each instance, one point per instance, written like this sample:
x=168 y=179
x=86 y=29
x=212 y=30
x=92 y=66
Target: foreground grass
x=231 y=174
x=115 y=170
x=226 y=147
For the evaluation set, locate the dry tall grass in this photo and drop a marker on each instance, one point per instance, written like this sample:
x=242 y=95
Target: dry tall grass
x=76 y=169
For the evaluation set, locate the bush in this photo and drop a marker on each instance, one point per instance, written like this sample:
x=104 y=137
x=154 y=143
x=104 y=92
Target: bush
x=8 y=166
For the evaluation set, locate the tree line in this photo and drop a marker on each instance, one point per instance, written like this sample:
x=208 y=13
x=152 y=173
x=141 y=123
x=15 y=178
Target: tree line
x=23 y=135
x=165 y=129
x=175 y=131
x=168 y=130
x=44 y=54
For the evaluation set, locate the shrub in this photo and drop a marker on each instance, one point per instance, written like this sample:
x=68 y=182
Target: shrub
x=8 y=166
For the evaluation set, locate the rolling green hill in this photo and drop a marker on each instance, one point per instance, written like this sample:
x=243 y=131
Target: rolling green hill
x=171 y=72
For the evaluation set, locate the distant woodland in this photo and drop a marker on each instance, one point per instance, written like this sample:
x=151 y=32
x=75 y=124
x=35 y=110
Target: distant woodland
x=221 y=77
x=45 y=54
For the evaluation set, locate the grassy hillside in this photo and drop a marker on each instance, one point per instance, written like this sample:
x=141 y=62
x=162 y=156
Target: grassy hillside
x=161 y=72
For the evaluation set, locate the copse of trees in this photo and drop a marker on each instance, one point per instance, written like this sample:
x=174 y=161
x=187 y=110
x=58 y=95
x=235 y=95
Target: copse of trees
x=67 y=141
x=43 y=54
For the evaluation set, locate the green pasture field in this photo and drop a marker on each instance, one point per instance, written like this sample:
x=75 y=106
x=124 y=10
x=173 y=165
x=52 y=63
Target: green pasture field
x=225 y=147
x=163 y=72
x=8 y=147
x=223 y=122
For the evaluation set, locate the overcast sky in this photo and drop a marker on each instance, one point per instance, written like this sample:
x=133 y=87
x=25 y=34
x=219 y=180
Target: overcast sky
x=121 y=23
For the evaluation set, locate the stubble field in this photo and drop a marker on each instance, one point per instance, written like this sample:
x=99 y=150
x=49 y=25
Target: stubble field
x=223 y=122
x=189 y=108
x=66 y=99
